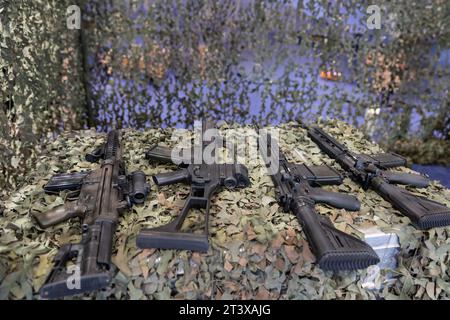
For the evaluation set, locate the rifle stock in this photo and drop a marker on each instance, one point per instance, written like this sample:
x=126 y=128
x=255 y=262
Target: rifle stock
x=423 y=213
x=166 y=155
x=170 y=236
x=91 y=264
x=334 y=250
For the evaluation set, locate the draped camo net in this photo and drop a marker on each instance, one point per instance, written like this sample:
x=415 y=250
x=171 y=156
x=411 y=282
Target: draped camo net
x=165 y=63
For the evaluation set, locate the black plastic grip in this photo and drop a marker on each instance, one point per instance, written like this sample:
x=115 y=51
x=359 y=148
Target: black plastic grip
x=334 y=199
x=167 y=178
x=423 y=213
x=415 y=180
x=58 y=214
x=334 y=250
x=149 y=238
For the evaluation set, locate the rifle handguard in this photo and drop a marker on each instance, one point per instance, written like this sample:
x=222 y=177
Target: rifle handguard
x=334 y=199
x=415 y=180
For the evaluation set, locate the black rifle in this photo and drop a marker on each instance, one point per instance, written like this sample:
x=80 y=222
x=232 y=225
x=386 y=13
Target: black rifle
x=370 y=171
x=205 y=180
x=334 y=250
x=97 y=197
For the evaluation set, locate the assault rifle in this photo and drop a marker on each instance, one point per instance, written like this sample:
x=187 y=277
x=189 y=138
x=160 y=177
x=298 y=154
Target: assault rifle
x=97 y=197
x=334 y=250
x=371 y=172
x=205 y=180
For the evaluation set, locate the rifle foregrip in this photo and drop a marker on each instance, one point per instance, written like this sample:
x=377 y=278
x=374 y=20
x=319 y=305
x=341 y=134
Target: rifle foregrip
x=167 y=178
x=423 y=213
x=415 y=180
x=335 y=199
x=58 y=214
x=334 y=250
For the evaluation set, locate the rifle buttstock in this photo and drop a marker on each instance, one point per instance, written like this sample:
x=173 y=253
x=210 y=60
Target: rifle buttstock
x=334 y=250
x=170 y=236
x=423 y=213
x=61 y=280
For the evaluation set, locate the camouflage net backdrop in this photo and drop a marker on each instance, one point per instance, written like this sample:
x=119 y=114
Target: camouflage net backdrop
x=170 y=62
x=40 y=82
x=256 y=250
x=149 y=63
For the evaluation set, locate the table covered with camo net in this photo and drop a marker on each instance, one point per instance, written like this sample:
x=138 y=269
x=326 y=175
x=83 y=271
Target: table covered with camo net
x=256 y=250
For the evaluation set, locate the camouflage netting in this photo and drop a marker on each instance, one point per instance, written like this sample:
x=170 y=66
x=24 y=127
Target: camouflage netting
x=149 y=63
x=41 y=88
x=170 y=62
x=257 y=251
